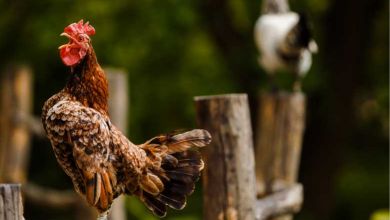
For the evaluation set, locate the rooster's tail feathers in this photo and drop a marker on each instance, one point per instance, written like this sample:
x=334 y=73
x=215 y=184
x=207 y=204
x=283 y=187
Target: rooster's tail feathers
x=182 y=141
x=179 y=170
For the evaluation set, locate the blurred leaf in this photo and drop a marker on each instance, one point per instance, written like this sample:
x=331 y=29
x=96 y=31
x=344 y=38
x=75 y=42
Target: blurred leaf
x=380 y=215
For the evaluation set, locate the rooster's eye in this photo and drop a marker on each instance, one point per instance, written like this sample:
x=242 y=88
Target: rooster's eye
x=81 y=38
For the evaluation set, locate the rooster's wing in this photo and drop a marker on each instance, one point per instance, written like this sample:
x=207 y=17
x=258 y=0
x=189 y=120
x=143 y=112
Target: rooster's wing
x=87 y=132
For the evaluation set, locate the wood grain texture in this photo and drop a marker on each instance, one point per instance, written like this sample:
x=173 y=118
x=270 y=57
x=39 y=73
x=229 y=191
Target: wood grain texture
x=286 y=201
x=11 y=207
x=229 y=178
x=280 y=124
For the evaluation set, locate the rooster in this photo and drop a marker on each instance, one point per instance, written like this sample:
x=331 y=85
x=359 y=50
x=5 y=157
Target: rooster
x=101 y=162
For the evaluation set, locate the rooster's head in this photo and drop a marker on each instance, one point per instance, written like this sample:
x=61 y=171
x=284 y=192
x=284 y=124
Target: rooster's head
x=79 y=42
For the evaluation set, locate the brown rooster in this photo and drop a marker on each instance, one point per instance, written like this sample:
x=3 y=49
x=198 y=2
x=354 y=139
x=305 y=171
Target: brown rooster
x=99 y=159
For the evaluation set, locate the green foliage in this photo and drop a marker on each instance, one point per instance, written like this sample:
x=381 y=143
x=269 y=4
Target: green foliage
x=380 y=215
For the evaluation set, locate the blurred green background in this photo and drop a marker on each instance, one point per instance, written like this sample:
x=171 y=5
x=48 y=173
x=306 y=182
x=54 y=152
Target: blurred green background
x=174 y=50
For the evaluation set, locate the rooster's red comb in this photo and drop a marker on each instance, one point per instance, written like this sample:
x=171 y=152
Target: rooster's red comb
x=79 y=28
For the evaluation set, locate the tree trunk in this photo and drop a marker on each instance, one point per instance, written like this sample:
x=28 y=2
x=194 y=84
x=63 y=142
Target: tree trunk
x=348 y=31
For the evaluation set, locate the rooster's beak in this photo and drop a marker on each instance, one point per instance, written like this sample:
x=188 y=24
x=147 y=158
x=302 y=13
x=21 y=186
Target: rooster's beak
x=68 y=36
x=65 y=35
x=62 y=46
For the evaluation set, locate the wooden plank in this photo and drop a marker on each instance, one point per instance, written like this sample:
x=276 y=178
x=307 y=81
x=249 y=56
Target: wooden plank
x=11 y=207
x=229 y=177
x=280 y=124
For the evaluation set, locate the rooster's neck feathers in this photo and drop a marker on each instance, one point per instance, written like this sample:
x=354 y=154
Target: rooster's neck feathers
x=88 y=83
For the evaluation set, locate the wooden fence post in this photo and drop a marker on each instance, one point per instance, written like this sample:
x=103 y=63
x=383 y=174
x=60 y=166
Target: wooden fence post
x=16 y=102
x=278 y=6
x=229 y=177
x=11 y=207
x=118 y=109
x=280 y=123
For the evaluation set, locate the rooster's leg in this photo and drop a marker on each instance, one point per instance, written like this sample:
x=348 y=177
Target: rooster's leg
x=103 y=215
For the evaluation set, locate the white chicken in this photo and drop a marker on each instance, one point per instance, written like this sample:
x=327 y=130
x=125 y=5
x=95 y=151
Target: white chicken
x=285 y=43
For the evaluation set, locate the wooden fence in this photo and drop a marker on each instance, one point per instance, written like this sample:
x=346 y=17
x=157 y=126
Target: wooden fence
x=243 y=179
x=230 y=189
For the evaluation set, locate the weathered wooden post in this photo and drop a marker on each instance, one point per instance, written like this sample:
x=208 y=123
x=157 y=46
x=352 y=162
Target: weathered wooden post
x=11 y=207
x=281 y=123
x=16 y=102
x=229 y=177
x=280 y=6
x=118 y=109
